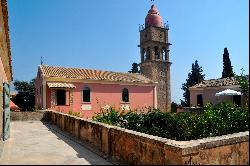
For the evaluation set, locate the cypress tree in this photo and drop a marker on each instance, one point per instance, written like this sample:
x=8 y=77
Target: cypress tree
x=135 y=68
x=227 y=68
x=194 y=77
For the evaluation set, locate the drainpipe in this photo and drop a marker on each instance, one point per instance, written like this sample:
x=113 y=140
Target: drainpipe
x=155 y=97
x=44 y=94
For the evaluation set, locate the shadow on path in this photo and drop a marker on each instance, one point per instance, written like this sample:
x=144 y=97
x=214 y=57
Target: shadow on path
x=79 y=145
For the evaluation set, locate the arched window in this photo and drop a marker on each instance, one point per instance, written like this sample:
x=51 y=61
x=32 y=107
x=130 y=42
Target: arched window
x=164 y=53
x=162 y=74
x=125 y=95
x=144 y=54
x=148 y=53
x=157 y=55
x=86 y=94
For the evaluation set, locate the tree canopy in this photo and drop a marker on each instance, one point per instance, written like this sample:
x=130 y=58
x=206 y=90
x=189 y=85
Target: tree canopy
x=135 y=68
x=243 y=81
x=194 y=77
x=25 y=97
x=227 y=68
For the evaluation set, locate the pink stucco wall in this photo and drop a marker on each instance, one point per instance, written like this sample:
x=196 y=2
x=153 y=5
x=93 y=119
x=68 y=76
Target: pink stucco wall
x=111 y=94
x=101 y=95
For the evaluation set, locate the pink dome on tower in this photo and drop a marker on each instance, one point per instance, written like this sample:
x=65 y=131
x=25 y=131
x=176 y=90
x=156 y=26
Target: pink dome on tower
x=153 y=18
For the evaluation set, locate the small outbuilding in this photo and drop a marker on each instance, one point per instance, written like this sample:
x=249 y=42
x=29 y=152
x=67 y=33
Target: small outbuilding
x=206 y=91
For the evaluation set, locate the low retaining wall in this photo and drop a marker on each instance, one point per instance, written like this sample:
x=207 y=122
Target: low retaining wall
x=198 y=110
x=130 y=147
x=28 y=115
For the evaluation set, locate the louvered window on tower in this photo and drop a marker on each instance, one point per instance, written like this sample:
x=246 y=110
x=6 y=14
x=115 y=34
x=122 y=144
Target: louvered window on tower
x=144 y=54
x=148 y=54
x=157 y=55
x=164 y=53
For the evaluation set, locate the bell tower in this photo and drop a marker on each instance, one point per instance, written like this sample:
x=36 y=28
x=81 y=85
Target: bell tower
x=154 y=48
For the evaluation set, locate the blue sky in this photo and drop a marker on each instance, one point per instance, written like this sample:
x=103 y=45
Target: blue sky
x=103 y=34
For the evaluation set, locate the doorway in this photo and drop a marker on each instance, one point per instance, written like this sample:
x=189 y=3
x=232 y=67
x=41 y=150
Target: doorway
x=200 y=100
x=237 y=99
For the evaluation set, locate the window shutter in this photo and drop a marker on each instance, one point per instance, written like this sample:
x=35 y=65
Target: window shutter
x=53 y=98
x=67 y=97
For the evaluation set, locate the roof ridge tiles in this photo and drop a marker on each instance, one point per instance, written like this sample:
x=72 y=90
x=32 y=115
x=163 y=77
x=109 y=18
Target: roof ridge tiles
x=92 y=74
x=216 y=82
x=78 y=68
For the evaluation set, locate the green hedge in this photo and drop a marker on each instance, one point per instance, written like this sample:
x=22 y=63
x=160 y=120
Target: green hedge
x=225 y=118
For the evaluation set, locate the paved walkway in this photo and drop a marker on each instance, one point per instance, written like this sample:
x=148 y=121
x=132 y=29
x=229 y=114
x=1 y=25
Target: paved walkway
x=32 y=142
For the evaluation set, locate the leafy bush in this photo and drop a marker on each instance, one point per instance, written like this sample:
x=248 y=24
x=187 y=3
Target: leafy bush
x=109 y=117
x=77 y=114
x=222 y=119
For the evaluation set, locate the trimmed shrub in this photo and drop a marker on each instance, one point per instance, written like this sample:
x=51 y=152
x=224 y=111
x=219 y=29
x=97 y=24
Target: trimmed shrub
x=225 y=118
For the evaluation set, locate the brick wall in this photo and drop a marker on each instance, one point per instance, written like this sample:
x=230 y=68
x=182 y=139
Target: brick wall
x=130 y=147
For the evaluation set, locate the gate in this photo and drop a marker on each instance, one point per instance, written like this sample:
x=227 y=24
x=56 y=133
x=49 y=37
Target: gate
x=6 y=111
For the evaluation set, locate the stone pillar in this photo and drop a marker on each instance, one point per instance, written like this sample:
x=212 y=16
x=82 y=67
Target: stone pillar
x=161 y=53
x=168 y=88
x=71 y=99
x=53 y=98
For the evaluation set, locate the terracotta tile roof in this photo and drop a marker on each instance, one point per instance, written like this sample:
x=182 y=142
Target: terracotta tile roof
x=6 y=27
x=60 y=85
x=216 y=82
x=90 y=74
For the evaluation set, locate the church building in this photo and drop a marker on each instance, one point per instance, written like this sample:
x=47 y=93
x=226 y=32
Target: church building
x=87 y=91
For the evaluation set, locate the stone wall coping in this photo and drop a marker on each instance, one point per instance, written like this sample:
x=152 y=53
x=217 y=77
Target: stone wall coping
x=84 y=119
x=186 y=147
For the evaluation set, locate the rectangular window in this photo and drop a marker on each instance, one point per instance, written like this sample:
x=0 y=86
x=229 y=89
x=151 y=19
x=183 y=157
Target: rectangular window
x=61 y=97
x=125 y=95
x=200 y=100
x=86 y=94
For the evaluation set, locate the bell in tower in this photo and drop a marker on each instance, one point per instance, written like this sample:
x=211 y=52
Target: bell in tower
x=155 y=63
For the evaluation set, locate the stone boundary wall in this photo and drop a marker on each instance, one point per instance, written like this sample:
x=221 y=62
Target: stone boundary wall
x=28 y=115
x=131 y=147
